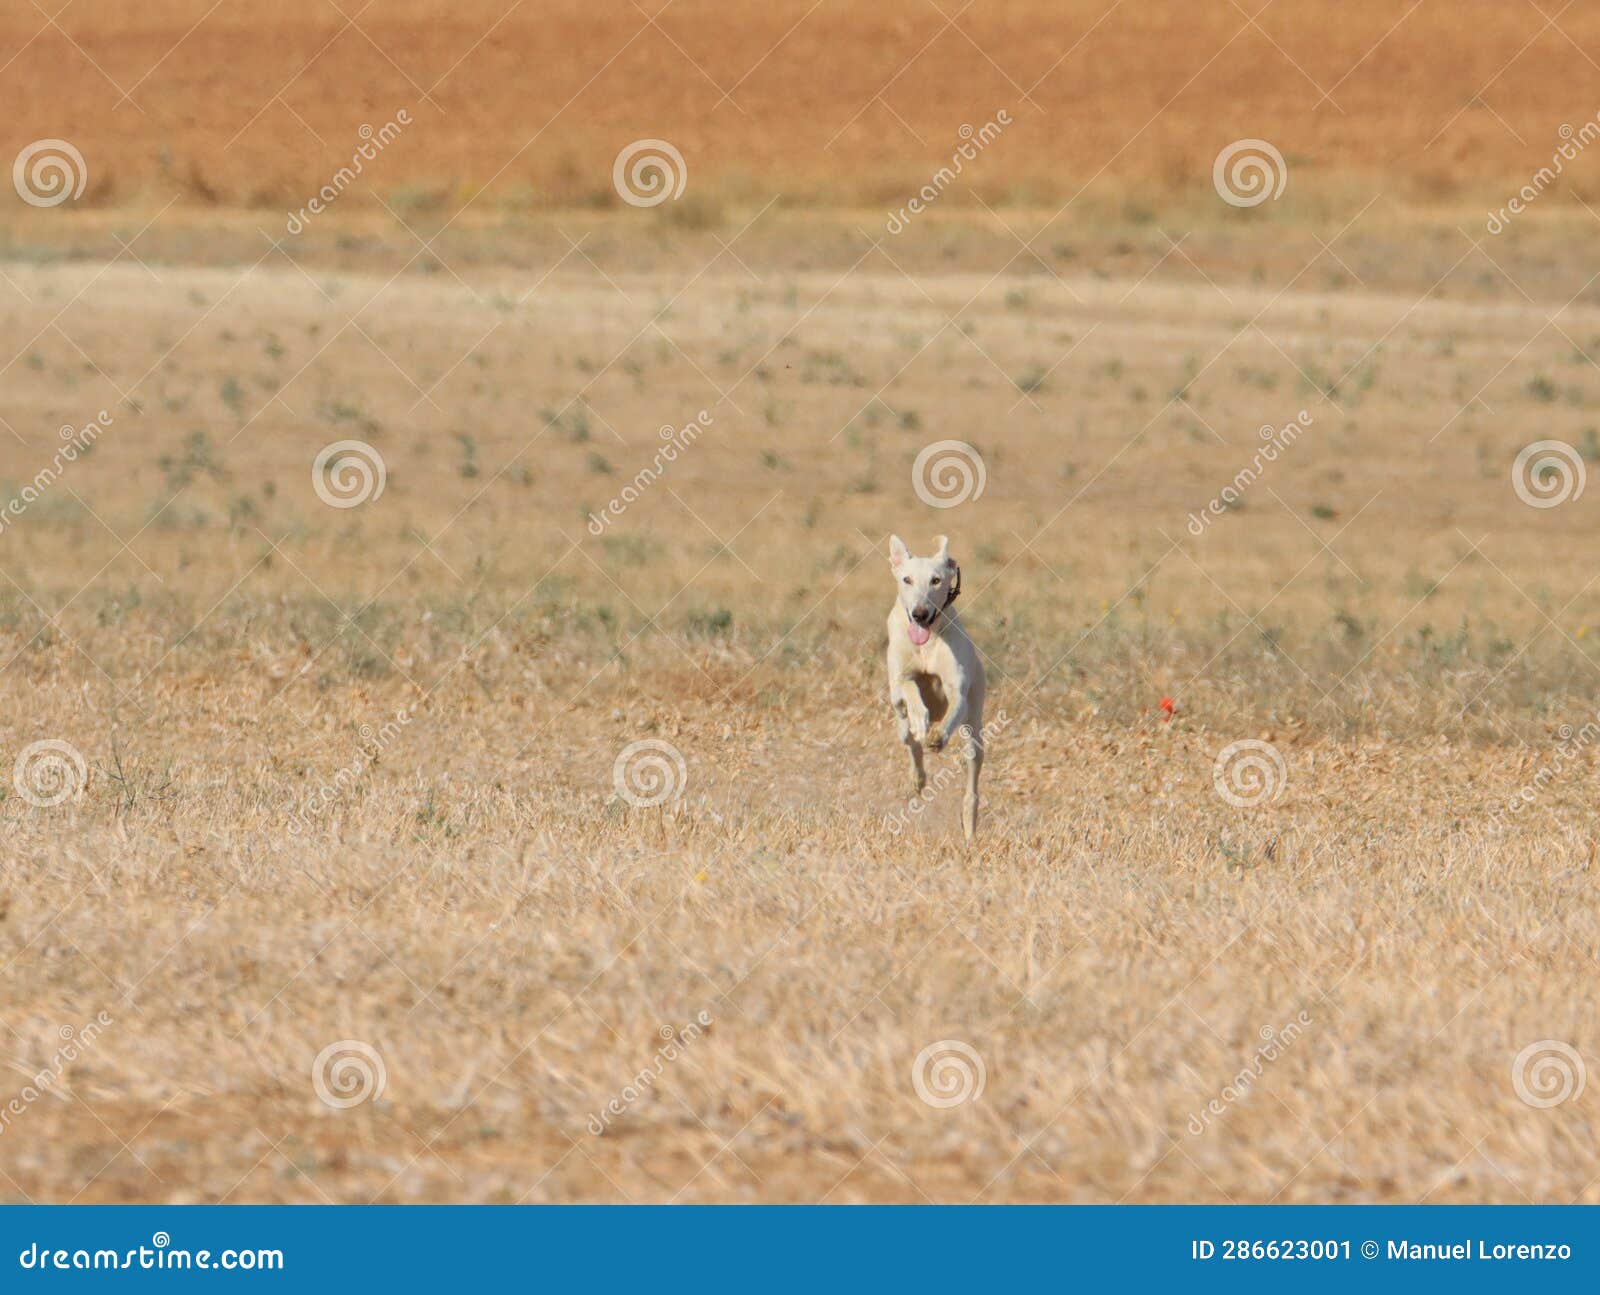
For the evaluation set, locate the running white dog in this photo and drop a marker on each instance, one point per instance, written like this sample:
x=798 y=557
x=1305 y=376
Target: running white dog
x=935 y=676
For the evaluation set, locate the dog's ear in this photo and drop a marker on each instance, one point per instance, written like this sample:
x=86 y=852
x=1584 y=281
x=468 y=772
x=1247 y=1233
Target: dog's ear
x=898 y=553
x=941 y=551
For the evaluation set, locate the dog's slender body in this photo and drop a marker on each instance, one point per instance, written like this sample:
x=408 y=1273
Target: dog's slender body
x=936 y=680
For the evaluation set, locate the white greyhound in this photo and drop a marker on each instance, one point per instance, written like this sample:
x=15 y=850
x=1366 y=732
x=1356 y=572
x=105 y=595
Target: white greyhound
x=935 y=676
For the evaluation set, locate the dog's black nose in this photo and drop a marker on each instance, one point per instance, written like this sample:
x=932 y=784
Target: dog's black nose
x=923 y=615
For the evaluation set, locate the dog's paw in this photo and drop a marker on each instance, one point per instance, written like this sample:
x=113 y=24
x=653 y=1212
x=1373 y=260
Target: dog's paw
x=936 y=740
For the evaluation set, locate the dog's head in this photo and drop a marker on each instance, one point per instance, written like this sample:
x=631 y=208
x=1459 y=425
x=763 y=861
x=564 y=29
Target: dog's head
x=926 y=586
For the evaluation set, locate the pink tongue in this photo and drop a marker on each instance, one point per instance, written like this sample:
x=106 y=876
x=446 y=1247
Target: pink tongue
x=919 y=634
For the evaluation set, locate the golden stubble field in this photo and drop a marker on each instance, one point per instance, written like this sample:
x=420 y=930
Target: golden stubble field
x=350 y=773
x=520 y=106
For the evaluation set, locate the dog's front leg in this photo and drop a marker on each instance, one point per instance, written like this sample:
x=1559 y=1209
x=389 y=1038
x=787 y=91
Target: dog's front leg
x=955 y=688
x=913 y=718
x=916 y=712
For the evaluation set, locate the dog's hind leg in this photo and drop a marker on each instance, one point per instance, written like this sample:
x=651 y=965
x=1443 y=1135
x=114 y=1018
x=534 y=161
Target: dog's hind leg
x=919 y=776
x=973 y=752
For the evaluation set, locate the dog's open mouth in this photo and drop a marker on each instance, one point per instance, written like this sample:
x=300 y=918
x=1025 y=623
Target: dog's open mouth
x=919 y=634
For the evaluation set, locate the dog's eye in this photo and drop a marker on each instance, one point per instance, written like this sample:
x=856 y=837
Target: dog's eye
x=935 y=580
x=905 y=580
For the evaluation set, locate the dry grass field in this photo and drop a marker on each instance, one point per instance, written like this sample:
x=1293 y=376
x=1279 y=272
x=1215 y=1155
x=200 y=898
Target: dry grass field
x=521 y=105
x=341 y=878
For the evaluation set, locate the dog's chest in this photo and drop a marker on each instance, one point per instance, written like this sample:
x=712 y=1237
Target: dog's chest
x=930 y=687
x=930 y=658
